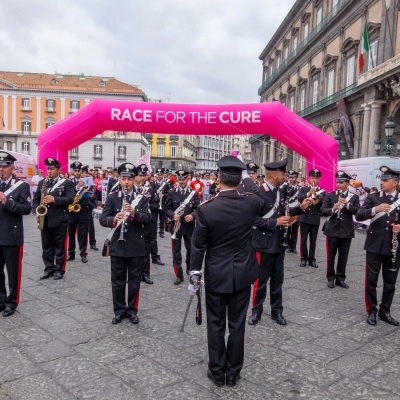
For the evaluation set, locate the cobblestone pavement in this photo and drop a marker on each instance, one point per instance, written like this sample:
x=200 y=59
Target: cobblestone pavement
x=62 y=345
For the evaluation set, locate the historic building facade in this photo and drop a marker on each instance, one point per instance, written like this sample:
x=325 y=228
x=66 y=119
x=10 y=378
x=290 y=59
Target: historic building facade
x=31 y=102
x=312 y=65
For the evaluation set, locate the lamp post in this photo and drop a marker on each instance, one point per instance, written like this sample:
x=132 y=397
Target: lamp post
x=378 y=143
x=115 y=141
x=338 y=137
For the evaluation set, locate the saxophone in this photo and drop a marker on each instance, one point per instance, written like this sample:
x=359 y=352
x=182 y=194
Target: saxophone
x=41 y=210
x=75 y=206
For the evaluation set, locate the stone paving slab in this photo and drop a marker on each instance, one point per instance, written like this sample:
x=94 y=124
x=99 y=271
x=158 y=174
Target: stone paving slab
x=61 y=343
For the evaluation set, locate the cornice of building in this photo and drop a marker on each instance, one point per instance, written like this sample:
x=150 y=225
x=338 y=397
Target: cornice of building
x=285 y=26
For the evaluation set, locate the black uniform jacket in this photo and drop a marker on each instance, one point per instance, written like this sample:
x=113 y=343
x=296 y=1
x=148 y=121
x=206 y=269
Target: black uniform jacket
x=153 y=205
x=87 y=204
x=267 y=238
x=17 y=204
x=134 y=226
x=57 y=212
x=379 y=233
x=339 y=225
x=156 y=185
x=223 y=233
x=312 y=214
x=111 y=182
x=291 y=192
x=174 y=200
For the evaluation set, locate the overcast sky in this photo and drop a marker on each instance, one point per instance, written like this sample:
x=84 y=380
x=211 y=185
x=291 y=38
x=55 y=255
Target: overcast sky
x=192 y=51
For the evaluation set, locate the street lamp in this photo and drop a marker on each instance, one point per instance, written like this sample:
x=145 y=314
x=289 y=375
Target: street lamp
x=378 y=143
x=389 y=126
x=338 y=137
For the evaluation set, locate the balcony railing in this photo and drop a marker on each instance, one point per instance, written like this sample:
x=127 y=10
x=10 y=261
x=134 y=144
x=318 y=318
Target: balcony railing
x=347 y=91
x=26 y=108
x=254 y=138
x=389 y=65
x=50 y=109
x=174 y=137
x=313 y=34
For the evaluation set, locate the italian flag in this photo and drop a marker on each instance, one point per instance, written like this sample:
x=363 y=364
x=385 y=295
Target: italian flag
x=364 y=48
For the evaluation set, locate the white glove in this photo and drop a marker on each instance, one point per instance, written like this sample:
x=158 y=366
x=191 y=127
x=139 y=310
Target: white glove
x=245 y=174
x=191 y=289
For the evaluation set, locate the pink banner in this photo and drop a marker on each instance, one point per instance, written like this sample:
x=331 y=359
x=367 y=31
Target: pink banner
x=272 y=118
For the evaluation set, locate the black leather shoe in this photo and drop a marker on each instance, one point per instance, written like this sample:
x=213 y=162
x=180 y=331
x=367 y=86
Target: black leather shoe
x=47 y=275
x=58 y=276
x=232 y=381
x=211 y=377
x=288 y=250
x=158 y=262
x=161 y=234
x=71 y=258
x=303 y=263
x=385 y=317
x=178 y=281
x=253 y=320
x=134 y=319
x=278 y=318
x=330 y=284
x=84 y=259
x=146 y=279
x=313 y=264
x=342 y=284
x=8 y=312
x=371 y=320
x=294 y=251
x=117 y=319
x=94 y=247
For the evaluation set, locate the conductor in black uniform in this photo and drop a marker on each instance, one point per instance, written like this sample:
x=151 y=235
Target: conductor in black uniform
x=185 y=222
x=291 y=193
x=339 y=206
x=79 y=221
x=268 y=241
x=222 y=234
x=14 y=203
x=127 y=248
x=59 y=193
x=384 y=209
x=310 y=221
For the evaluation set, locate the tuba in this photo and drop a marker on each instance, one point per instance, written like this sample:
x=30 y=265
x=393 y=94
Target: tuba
x=41 y=209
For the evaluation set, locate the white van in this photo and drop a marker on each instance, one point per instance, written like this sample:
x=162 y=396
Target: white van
x=366 y=170
x=25 y=166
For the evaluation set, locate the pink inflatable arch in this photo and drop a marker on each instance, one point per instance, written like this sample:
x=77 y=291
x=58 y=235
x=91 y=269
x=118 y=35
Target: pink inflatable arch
x=319 y=149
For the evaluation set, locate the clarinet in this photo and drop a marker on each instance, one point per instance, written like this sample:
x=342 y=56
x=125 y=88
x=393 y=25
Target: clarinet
x=122 y=230
x=395 y=244
x=285 y=232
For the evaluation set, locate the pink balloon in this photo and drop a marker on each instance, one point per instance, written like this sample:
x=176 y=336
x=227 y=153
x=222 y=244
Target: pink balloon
x=271 y=118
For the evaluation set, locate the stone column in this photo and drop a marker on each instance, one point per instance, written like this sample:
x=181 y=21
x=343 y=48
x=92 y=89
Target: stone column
x=265 y=153
x=366 y=125
x=357 y=132
x=38 y=114
x=14 y=113
x=375 y=126
x=62 y=105
x=5 y=112
x=272 y=150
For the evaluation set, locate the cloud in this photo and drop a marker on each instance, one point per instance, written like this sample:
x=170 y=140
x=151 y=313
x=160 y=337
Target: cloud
x=195 y=51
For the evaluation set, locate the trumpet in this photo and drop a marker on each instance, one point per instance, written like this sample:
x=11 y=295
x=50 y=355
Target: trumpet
x=395 y=244
x=314 y=196
x=41 y=209
x=177 y=225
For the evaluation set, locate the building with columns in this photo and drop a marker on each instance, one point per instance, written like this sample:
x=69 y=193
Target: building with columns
x=31 y=102
x=312 y=65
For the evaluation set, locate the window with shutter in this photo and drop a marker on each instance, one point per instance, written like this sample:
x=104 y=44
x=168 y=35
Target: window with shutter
x=319 y=16
x=302 y=99
x=331 y=82
x=305 y=30
x=350 y=70
x=315 y=92
x=295 y=40
x=160 y=150
x=98 y=151
x=26 y=127
x=292 y=103
x=173 y=151
x=373 y=53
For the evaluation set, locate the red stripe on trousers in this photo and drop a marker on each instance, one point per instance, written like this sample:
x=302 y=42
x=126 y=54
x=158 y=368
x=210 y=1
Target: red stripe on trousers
x=20 y=255
x=367 y=305
x=64 y=264
x=136 y=302
x=301 y=247
x=255 y=284
x=327 y=254
x=174 y=265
